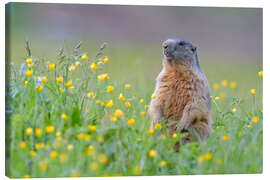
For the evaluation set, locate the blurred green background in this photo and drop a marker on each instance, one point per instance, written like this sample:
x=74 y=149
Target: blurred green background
x=229 y=40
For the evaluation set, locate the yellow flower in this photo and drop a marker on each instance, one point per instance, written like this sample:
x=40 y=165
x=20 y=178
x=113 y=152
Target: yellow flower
x=63 y=157
x=234 y=110
x=38 y=132
x=253 y=91
x=215 y=86
x=224 y=83
x=64 y=116
x=130 y=121
x=25 y=82
x=72 y=68
x=150 y=131
x=69 y=83
x=118 y=113
x=91 y=94
x=142 y=113
x=29 y=61
x=87 y=137
x=69 y=147
x=29 y=131
x=26 y=176
x=174 y=135
x=127 y=86
x=163 y=136
x=255 y=120
x=49 y=129
x=127 y=104
x=152 y=153
x=80 y=136
x=97 y=101
x=233 y=84
x=113 y=119
x=154 y=96
x=100 y=139
x=100 y=62
x=106 y=59
x=225 y=138
x=84 y=57
x=260 y=73
x=110 y=89
x=110 y=103
x=51 y=66
x=93 y=66
x=38 y=146
x=163 y=163
x=43 y=165
x=222 y=95
x=44 y=79
x=59 y=79
x=28 y=72
x=208 y=156
x=201 y=158
x=39 y=88
x=53 y=154
x=141 y=100
x=71 y=88
x=137 y=170
x=22 y=145
x=93 y=166
x=30 y=65
x=92 y=127
x=77 y=63
x=102 y=158
x=217 y=98
x=103 y=77
x=121 y=97
x=158 y=126
x=90 y=151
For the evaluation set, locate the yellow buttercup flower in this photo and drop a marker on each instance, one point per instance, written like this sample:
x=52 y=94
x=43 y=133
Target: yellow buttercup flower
x=69 y=147
x=152 y=153
x=68 y=84
x=72 y=68
x=106 y=59
x=100 y=139
x=208 y=156
x=64 y=116
x=234 y=110
x=93 y=66
x=38 y=146
x=225 y=138
x=233 y=84
x=28 y=72
x=174 y=135
x=38 y=132
x=142 y=113
x=217 y=98
x=59 y=79
x=127 y=86
x=158 y=126
x=100 y=62
x=39 y=88
x=163 y=163
x=260 y=73
x=33 y=153
x=84 y=57
x=43 y=165
x=44 y=79
x=30 y=65
x=92 y=127
x=49 y=129
x=141 y=100
x=63 y=157
x=150 y=131
x=110 y=103
x=93 y=166
x=255 y=120
x=154 y=96
x=97 y=101
x=90 y=151
x=216 y=86
x=25 y=82
x=80 y=136
x=22 y=145
x=51 y=66
x=224 y=83
x=222 y=95
x=253 y=91
x=102 y=158
x=113 y=119
x=121 y=97
x=29 y=61
x=118 y=113
x=53 y=154
x=110 y=89
x=91 y=94
x=29 y=131
x=127 y=104
x=103 y=77
x=130 y=121
x=77 y=63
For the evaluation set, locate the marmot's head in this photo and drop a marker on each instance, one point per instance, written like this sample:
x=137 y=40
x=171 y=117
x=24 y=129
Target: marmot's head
x=179 y=51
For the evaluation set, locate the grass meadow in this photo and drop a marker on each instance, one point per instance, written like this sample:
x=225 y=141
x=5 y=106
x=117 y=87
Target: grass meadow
x=83 y=112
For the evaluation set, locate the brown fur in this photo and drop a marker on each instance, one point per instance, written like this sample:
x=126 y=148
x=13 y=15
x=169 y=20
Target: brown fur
x=182 y=97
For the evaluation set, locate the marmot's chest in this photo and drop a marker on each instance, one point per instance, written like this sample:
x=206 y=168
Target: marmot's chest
x=179 y=90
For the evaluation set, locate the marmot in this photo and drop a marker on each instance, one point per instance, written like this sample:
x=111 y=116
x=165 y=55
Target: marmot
x=182 y=93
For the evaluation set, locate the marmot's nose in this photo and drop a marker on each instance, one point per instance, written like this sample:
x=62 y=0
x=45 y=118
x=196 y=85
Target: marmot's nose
x=168 y=44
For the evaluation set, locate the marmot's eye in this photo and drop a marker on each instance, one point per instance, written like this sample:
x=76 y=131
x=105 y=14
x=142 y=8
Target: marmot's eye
x=181 y=44
x=193 y=49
